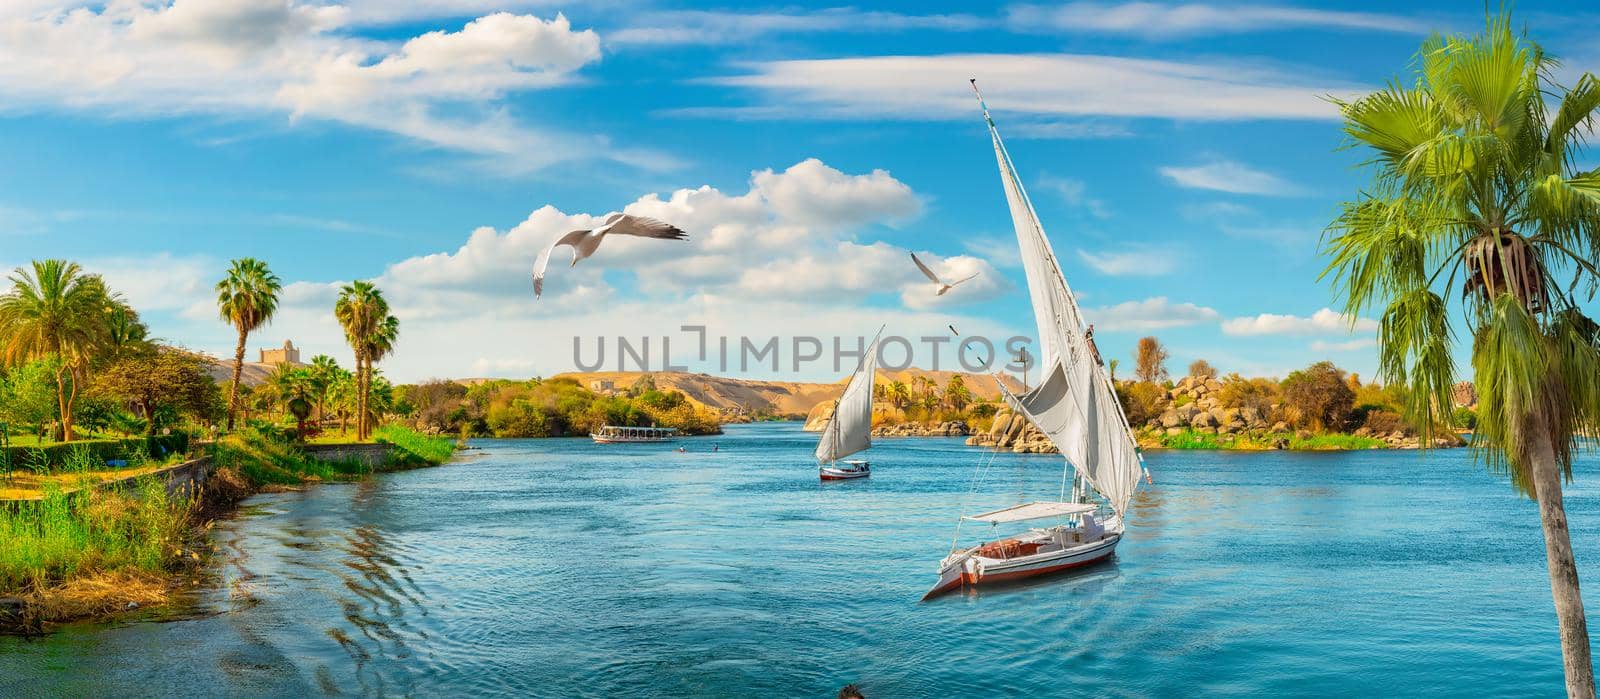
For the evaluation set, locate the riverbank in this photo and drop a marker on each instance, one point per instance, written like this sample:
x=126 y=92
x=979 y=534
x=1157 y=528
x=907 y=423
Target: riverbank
x=93 y=550
x=460 y=581
x=1012 y=432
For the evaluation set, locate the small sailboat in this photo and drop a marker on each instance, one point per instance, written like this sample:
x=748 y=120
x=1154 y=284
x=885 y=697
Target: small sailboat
x=1075 y=406
x=849 y=428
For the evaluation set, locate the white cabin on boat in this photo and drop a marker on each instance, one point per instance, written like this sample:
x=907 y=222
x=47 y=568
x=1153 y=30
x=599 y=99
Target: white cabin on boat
x=611 y=434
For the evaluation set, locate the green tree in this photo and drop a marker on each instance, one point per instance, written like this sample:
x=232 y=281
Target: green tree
x=1318 y=396
x=157 y=378
x=28 y=394
x=54 y=309
x=360 y=310
x=379 y=345
x=323 y=371
x=899 y=394
x=956 y=393
x=246 y=298
x=1474 y=178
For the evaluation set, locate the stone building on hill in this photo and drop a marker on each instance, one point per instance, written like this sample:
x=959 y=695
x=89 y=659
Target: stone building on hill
x=288 y=354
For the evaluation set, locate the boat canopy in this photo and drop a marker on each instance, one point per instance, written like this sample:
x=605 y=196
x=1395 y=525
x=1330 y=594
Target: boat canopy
x=1033 y=510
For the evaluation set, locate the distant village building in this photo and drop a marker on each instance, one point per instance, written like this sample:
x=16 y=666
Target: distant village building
x=289 y=354
x=602 y=386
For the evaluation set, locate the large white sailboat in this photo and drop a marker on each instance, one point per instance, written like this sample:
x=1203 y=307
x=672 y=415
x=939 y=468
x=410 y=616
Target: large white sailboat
x=849 y=428
x=1075 y=406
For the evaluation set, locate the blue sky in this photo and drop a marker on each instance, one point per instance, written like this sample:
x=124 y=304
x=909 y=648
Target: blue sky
x=1181 y=158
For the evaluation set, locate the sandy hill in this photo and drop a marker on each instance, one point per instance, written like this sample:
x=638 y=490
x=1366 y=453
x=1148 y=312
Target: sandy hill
x=253 y=374
x=782 y=397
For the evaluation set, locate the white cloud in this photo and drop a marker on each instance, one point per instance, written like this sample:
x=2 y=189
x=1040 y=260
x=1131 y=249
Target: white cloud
x=1289 y=236
x=159 y=282
x=1052 y=129
x=704 y=27
x=813 y=193
x=277 y=58
x=1347 y=346
x=383 y=12
x=1154 y=313
x=1002 y=252
x=1025 y=87
x=788 y=254
x=1133 y=262
x=1074 y=192
x=1324 y=322
x=1229 y=176
x=1161 y=20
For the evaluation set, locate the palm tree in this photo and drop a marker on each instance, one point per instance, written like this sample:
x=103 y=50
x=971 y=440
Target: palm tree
x=379 y=344
x=342 y=395
x=247 y=298
x=56 y=310
x=1472 y=176
x=323 y=370
x=360 y=310
x=899 y=394
x=957 y=394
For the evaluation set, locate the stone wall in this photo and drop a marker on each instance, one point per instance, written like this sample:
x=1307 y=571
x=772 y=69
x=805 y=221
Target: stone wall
x=370 y=455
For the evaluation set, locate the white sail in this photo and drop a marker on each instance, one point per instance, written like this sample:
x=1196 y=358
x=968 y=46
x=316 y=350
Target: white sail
x=1074 y=404
x=849 y=429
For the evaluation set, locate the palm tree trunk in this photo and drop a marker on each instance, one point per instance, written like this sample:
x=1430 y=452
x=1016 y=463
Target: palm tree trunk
x=1563 y=567
x=238 y=371
x=361 y=395
x=63 y=406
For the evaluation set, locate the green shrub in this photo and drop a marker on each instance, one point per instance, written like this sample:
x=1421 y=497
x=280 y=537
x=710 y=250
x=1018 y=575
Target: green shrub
x=50 y=457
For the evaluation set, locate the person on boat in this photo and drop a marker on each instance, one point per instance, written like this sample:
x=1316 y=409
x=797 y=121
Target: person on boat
x=1094 y=351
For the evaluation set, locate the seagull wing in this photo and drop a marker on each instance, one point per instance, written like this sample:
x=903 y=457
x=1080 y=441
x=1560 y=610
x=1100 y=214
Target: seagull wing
x=931 y=276
x=967 y=278
x=544 y=258
x=644 y=227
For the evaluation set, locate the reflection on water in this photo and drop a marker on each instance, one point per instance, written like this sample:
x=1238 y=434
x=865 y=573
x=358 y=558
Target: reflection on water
x=560 y=567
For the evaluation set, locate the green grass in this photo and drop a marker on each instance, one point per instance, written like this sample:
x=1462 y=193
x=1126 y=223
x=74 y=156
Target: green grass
x=1318 y=442
x=73 y=534
x=1193 y=439
x=1190 y=439
x=413 y=448
x=267 y=459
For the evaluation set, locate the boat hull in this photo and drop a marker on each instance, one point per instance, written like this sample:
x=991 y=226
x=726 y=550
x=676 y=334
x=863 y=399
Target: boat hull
x=847 y=473
x=972 y=570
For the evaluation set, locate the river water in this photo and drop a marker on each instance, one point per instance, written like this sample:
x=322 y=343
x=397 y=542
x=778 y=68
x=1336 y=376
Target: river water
x=564 y=568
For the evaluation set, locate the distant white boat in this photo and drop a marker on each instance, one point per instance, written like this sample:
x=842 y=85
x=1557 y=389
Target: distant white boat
x=1076 y=407
x=611 y=434
x=849 y=428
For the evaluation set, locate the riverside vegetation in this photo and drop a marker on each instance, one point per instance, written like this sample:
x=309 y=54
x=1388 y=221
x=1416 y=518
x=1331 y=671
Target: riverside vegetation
x=556 y=407
x=1320 y=407
x=82 y=550
x=88 y=525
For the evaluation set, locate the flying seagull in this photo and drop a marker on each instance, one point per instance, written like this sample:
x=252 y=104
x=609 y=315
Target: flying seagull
x=943 y=287
x=584 y=243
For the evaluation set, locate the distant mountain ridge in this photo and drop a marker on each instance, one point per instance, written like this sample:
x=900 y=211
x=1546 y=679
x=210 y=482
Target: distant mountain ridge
x=794 y=398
